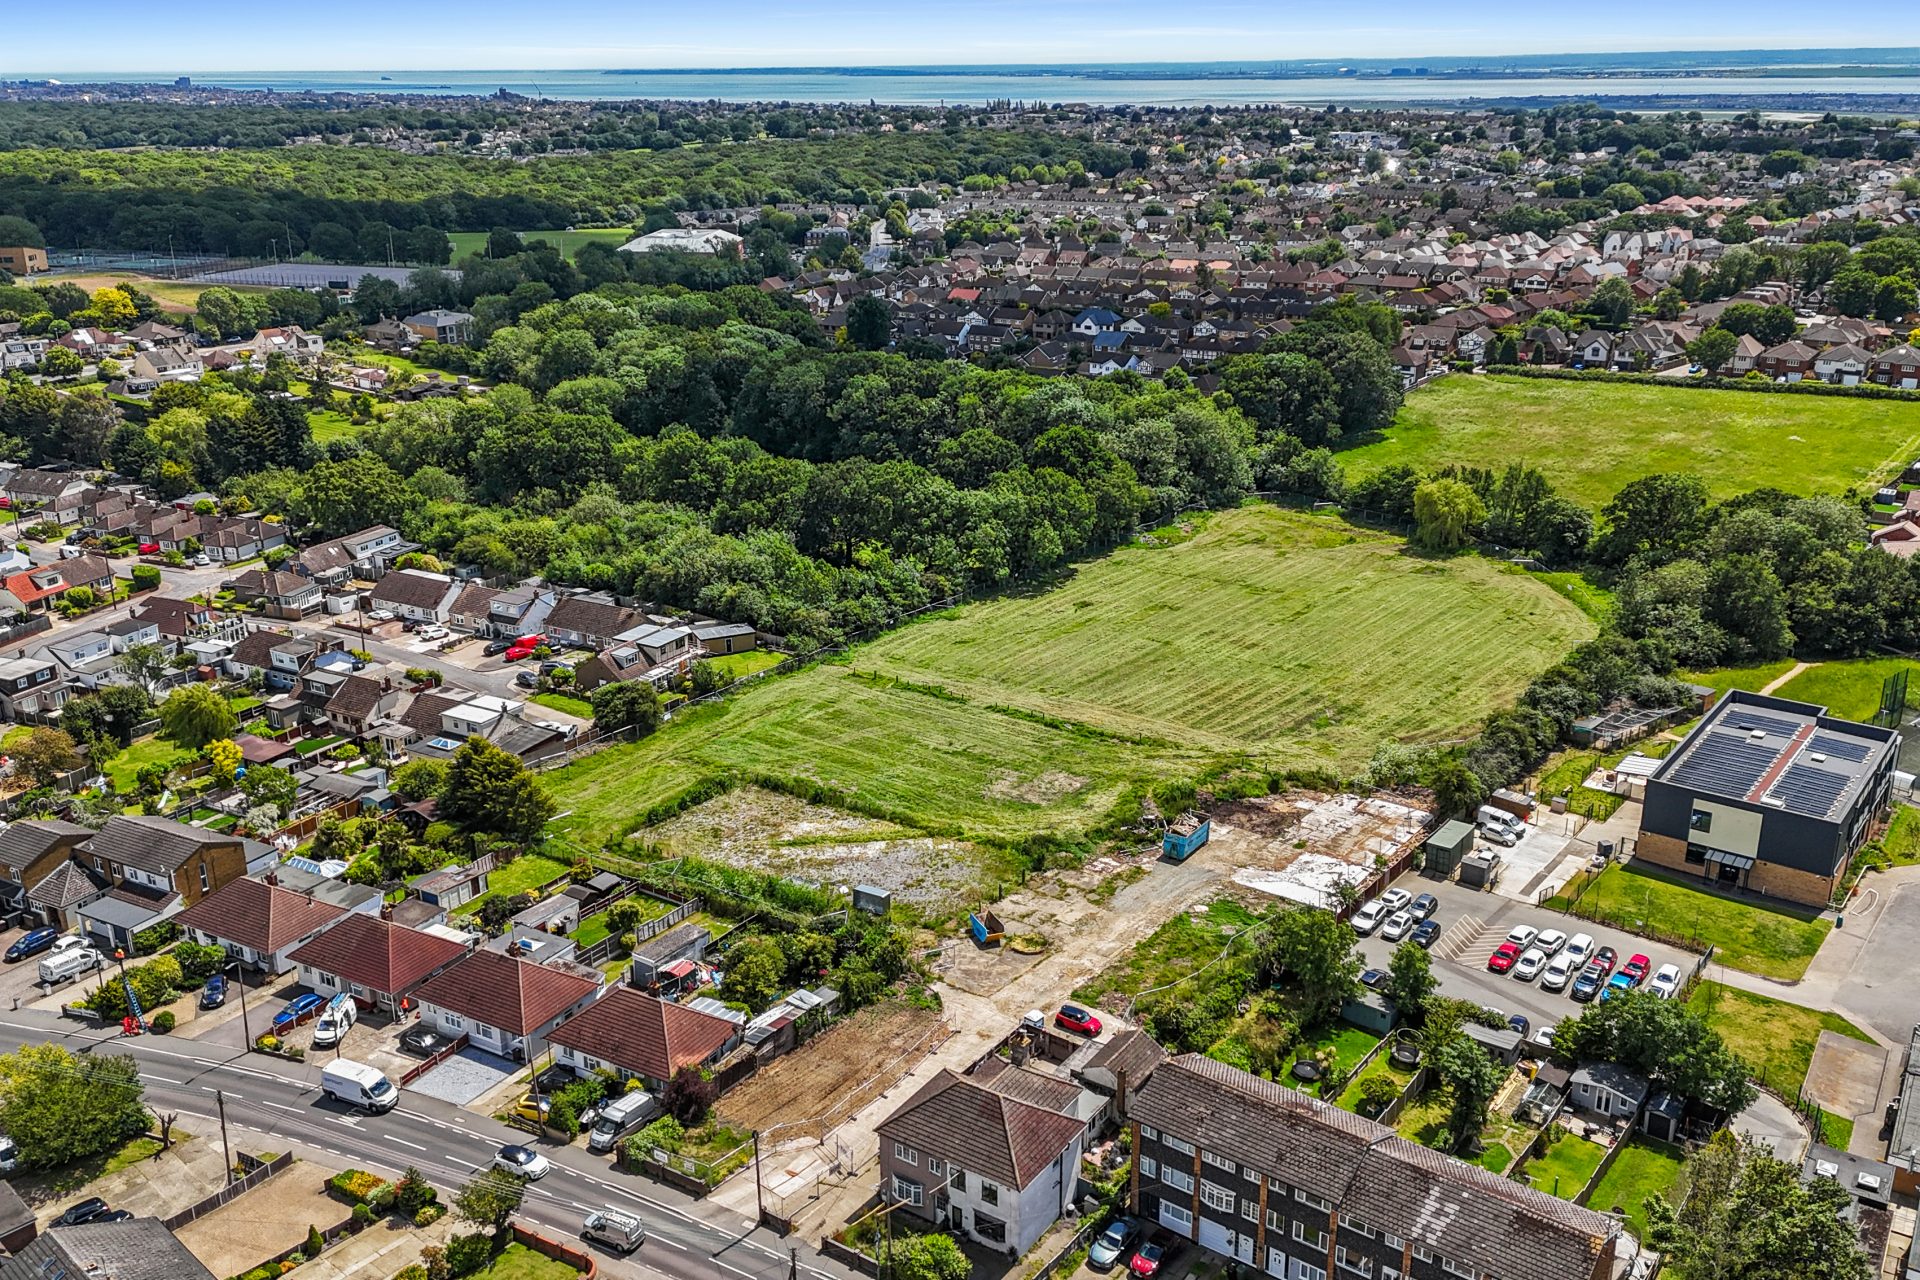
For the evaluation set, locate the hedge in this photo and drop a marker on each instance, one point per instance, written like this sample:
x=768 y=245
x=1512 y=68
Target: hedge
x=1711 y=382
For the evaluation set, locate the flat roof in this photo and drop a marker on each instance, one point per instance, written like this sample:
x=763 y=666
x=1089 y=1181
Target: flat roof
x=1784 y=755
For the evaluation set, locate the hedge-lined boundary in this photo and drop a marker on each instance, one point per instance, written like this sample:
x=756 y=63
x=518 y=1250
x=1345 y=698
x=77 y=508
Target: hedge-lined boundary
x=1711 y=382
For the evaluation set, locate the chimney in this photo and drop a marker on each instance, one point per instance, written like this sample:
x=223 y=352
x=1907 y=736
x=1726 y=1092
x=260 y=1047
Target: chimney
x=386 y=911
x=272 y=877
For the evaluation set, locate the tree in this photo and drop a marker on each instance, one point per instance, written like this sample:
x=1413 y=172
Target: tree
x=1779 y=164
x=1410 y=980
x=491 y=1198
x=1446 y=513
x=269 y=786
x=1657 y=516
x=1456 y=788
x=224 y=756
x=60 y=1108
x=489 y=792
x=45 y=756
x=420 y=779
x=197 y=714
x=144 y=665
x=929 y=1257
x=1612 y=302
x=689 y=1095
x=1748 y=1214
x=626 y=704
x=1664 y=1040
x=755 y=971
x=1314 y=951
x=19 y=232
x=1472 y=1079
x=1712 y=349
x=869 y=323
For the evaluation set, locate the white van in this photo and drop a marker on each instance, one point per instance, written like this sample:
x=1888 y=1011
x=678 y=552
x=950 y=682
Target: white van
x=341 y=1012
x=70 y=963
x=1489 y=816
x=614 y=1228
x=358 y=1085
x=620 y=1117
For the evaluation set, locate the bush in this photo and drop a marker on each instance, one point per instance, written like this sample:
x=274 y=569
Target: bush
x=358 y=1187
x=413 y=1272
x=467 y=1254
x=412 y=1193
x=154 y=937
x=1377 y=1093
x=268 y=1043
x=362 y=1216
x=689 y=1096
x=162 y=1022
x=316 y=1243
x=428 y=1216
x=145 y=577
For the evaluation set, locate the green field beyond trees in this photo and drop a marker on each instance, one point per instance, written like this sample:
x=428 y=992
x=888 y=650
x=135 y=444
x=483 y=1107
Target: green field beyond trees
x=567 y=242
x=1591 y=438
x=1296 y=639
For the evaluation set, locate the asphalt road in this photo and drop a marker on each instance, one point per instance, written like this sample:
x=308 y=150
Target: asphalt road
x=687 y=1239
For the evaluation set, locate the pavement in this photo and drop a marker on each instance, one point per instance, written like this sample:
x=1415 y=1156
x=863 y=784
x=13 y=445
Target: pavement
x=275 y=1105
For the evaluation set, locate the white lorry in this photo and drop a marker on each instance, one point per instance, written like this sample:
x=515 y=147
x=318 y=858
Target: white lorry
x=620 y=1117
x=358 y=1085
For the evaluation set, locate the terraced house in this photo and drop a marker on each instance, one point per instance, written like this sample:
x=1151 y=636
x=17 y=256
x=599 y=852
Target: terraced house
x=1278 y=1180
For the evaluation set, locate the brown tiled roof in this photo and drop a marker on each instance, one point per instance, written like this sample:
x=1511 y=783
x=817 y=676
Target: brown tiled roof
x=989 y=1133
x=515 y=995
x=356 y=697
x=1460 y=1210
x=377 y=954
x=644 y=1035
x=1023 y=1084
x=259 y=915
x=591 y=617
x=65 y=885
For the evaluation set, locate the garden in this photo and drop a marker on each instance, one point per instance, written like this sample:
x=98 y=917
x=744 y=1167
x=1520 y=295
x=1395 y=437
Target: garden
x=1567 y=1164
x=1646 y=1167
x=1775 y=1038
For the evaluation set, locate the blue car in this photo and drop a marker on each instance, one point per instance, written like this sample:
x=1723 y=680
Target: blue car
x=214 y=994
x=297 y=1008
x=31 y=944
x=1618 y=985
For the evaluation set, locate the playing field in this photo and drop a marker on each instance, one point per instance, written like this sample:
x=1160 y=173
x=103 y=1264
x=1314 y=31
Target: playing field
x=1591 y=438
x=567 y=242
x=1297 y=638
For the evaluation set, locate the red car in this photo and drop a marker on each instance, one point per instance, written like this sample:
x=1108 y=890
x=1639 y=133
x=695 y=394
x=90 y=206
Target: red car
x=1147 y=1261
x=1074 y=1018
x=1502 y=959
x=516 y=653
x=148 y=548
x=1636 y=968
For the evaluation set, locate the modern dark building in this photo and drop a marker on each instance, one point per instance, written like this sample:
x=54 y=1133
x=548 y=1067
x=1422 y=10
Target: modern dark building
x=1301 y=1190
x=1770 y=795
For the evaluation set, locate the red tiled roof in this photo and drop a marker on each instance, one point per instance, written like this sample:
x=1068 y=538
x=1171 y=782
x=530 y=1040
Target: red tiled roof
x=259 y=915
x=517 y=996
x=378 y=954
x=642 y=1034
x=22 y=587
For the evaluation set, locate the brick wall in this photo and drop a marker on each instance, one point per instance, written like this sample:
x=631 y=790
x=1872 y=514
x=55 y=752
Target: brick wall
x=1663 y=851
x=1794 y=885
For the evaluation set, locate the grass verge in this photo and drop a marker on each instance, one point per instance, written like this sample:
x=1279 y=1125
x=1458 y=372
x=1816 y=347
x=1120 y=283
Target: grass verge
x=1776 y=1038
x=1775 y=940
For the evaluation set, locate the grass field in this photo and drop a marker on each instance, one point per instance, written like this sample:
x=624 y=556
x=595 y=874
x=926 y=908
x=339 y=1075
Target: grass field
x=1850 y=690
x=939 y=765
x=567 y=242
x=525 y=873
x=1772 y=939
x=1591 y=438
x=561 y=702
x=738 y=666
x=1752 y=679
x=178 y=296
x=1177 y=948
x=1644 y=1168
x=1296 y=638
x=517 y=1262
x=1775 y=1038
x=125 y=767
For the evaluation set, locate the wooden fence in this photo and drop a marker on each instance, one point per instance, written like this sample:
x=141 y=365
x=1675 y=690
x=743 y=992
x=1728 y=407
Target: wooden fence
x=257 y=1172
x=419 y=1069
x=859 y=1097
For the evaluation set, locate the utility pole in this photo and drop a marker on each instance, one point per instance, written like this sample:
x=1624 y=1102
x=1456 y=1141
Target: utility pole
x=240 y=982
x=220 y=1100
x=759 y=1196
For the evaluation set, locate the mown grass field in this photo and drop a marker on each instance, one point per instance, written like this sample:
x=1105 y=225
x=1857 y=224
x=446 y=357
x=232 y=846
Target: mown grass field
x=567 y=242
x=1849 y=689
x=1773 y=939
x=1776 y=1039
x=1296 y=638
x=928 y=762
x=1591 y=438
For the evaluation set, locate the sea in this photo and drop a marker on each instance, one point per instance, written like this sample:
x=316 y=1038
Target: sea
x=1110 y=86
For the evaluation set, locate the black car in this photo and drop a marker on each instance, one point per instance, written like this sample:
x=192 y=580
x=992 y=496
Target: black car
x=496 y=647
x=1423 y=907
x=86 y=1211
x=214 y=994
x=115 y=1215
x=1519 y=1023
x=527 y=680
x=1373 y=979
x=424 y=1041
x=555 y=1078
x=1426 y=933
x=1588 y=984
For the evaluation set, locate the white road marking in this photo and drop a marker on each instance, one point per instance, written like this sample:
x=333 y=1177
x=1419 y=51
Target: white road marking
x=281 y=1106
x=403 y=1142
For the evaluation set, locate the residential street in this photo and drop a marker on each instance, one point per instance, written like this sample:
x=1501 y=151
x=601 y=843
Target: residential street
x=687 y=1239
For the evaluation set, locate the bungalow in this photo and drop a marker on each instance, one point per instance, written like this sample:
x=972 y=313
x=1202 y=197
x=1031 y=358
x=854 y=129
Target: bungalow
x=416 y=595
x=503 y=1005
x=378 y=962
x=164 y=364
x=364 y=554
x=591 y=620
x=281 y=594
x=33 y=591
x=50 y=495
x=657 y=654
x=641 y=1037
x=258 y=922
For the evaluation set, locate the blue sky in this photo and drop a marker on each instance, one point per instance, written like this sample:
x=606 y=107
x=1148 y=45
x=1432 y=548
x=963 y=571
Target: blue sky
x=241 y=35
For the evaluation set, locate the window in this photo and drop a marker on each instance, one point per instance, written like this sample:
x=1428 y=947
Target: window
x=1353 y=1261
x=989 y=1192
x=1307 y=1271
x=906 y=1192
x=1149 y=1167
x=1273 y=1220
x=989 y=1228
x=452 y=1021
x=1315 y=1201
x=1423 y=1253
x=1174 y=1216
x=1318 y=1239
x=1358 y=1227
x=1394 y=1242
x=1216 y=1197
x=1178 y=1179
x=1220 y=1162
x=959 y=1179
x=1389 y=1273
x=1148 y=1131
x=934 y=1166
x=1276 y=1186
x=1250 y=1209
x=905 y=1154
x=1453 y=1268
x=1701 y=820
x=1184 y=1148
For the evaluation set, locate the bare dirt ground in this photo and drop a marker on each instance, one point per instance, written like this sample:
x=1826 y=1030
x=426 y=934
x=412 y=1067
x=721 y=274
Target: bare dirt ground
x=808 y=1081
x=273 y=1216
x=1301 y=844
x=765 y=831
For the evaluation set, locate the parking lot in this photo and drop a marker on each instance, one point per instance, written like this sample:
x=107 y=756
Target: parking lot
x=1473 y=923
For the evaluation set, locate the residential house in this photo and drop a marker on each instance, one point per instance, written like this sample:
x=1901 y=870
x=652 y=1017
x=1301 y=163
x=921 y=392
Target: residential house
x=440 y=325
x=47 y=495
x=390 y=336
x=30 y=850
x=380 y=963
x=1897 y=367
x=131 y=1249
x=31 y=690
x=365 y=554
x=1845 y=365
x=501 y=1004
x=1789 y=361
x=33 y=591
x=1746 y=356
x=415 y=594
x=1594 y=349
x=281 y=594
x=472 y=609
x=258 y=922
x=651 y=652
x=22 y=260
x=157 y=867
x=641 y=1037
x=165 y=364
x=991 y=1167
x=1899 y=537
x=67 y=889
x=1275 y=1179
x=590 y=619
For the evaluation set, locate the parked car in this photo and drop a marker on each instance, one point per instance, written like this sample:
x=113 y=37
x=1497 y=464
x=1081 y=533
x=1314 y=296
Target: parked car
x=202 y=560
x=1147 y=1261
x=31 y=944
x=1396 y=899
x=1426 y=933
x=1579 y=948
x=1666 y=982
x=1606 y=958
x=1503 y=957
x=86 y=1211
x=1368 y=917
x=1424 y=906
x=555 y=1078
x=1519 y=1022
x=1550 y=941
x=1530 y=963
x=296 y=1009
x=1502 y=836
x=1074 y=1018
x=533 y=641
x=9 y=1155
x=553 y=665
x=1373 y=979
x=517 y=653
x=495 y=648
x=1636 y=968
x=1588 y=984
x=434 y=632
x=532 y=1108
x=1544 y=1035
x=423 y=1040
x=1398 y=926
x=522 y=1161
x=112 y=1215
x=1558 y=973
x=1522 y=935
x=526 y=680
x=149 y=548
x=380 y=615
x=1111 y=1244
x=1618 y=985
x=214 y=994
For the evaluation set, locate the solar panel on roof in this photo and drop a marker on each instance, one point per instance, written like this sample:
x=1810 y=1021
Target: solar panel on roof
x=1739 y=718
x=1725 y=763
x=1840 y=748
x=1807 y=789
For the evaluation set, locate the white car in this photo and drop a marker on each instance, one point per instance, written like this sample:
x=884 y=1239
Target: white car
x=1498 y=835
x=1529 y=965
x=1666 y=982
x=66 y=942
x=1543 y=1035
x=1395 y=899
x=1368 y=918
x=1398 y=926
x=1522 y=935
x=380 y=615
x=1558 y=973
x=523 y=1162
x=433 y=633
x=1579 y=949
x=1550 y=941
